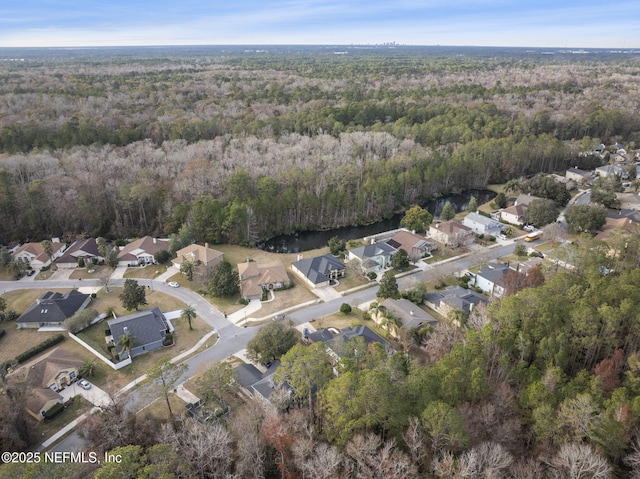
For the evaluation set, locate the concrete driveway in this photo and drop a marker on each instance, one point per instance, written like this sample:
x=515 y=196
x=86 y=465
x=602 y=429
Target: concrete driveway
x=326 y=293
x=94 y=395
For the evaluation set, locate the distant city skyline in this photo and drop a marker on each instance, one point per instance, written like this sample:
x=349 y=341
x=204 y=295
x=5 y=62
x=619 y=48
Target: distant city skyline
x=540 y=23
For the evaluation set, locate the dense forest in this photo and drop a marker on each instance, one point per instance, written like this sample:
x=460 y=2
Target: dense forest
x=244 y=146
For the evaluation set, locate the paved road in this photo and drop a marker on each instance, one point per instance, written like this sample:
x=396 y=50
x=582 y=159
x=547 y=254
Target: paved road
x=232 y=338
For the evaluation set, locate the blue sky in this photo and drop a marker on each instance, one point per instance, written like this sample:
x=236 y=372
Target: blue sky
x=534 y=23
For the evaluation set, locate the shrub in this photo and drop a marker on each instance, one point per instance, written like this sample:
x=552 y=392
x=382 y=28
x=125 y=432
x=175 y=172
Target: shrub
x=54 y=411
x=345 y=308
x=47 y=343
x=372 y=276
x=243 y=301
x=80 y=262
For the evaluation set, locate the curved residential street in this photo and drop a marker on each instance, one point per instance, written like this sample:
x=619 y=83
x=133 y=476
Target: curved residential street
x=233 y=338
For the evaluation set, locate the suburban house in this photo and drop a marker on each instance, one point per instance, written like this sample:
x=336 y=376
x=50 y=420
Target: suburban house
x=514 y=214
x=451 y=233
x=524 y=199
x=612 y=170
x=206 y=259
x=453 y=298
x=87 y=250
x=483 y=225
x=415 y=245
x=336 y=340
x=51 y=309
x=141 y=251
x=490 y=279
x=623 y=225
x=318 y=271
x=256 y=278
x=148 y=328
x=410 y=315
x=373 y=257
x=260 y=385
x=579 y=176
x=45 y=378
x=33 y=254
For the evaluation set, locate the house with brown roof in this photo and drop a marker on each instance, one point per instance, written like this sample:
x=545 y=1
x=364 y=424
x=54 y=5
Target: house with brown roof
x=256 y=278
x=514 y=214
x=624 y=225
x=141 y=251
x=206 y=259
x=45 y=378
x=415 y=245
x=524 y=199
x=451 y=233
x=33 y=254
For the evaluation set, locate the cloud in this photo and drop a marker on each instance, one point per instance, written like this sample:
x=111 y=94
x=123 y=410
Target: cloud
x=487 y=22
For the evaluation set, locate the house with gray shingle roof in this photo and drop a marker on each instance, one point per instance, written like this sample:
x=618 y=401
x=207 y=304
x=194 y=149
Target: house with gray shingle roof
x=482 y=224
x=373 y=257
x=148 y=328
x=86 y=249
x=453 y=298
x=490 y=279
x=410 y=315
x=319 y=270
x=260 y=384
x=51 y=309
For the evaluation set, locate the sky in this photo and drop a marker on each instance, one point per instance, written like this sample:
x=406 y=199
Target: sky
x=518 y=23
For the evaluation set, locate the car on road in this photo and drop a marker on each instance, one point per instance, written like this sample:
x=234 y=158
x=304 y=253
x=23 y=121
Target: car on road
x=173 y=284
x=84 y=384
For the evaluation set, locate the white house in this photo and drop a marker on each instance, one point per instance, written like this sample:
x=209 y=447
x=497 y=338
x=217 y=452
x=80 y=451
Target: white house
x=141 y=251
x=483 y=225
x=33 y=254
x=514 y=214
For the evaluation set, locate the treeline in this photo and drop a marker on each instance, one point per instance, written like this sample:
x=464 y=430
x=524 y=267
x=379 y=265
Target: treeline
x=246 y=189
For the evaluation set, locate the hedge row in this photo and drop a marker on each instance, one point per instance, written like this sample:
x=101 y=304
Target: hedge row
x=47 y=343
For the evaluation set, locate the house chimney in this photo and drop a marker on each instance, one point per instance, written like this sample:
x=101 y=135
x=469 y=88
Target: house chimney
x=299 y=257
x=154 y=241
x=206 y=245
x=125 y=330
x=411 y=312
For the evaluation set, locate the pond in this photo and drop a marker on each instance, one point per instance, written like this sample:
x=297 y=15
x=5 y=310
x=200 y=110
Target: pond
x=308 y=240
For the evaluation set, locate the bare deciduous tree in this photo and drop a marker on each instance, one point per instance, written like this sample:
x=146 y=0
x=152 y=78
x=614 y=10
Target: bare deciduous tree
x=579 y=461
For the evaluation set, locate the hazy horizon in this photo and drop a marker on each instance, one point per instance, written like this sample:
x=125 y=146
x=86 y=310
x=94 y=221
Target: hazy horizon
x=484 y=23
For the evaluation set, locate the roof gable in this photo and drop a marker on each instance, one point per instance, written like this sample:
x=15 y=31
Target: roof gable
x=317 y=269
x=53 y=307
x=145 y=326
x=145 y=245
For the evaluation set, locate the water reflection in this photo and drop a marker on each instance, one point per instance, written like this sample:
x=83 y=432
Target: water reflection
x=308 y=240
